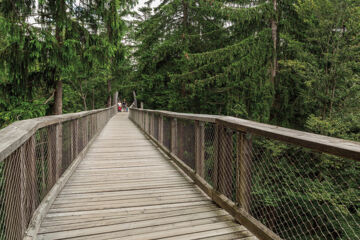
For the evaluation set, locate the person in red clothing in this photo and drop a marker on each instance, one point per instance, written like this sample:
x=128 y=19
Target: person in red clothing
x=119 y=106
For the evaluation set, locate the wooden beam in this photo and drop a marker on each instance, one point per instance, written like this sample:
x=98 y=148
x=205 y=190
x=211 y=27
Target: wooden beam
x=174 y=136
x=243 y=170
x=225 y=162
x=161 y=129
x=13 y=136
x=216 y=157
x=335 y=146
x=51 y=156
x=58 y=150
x=200 y=148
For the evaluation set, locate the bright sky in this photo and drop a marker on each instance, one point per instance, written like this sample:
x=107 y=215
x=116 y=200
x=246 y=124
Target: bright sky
x=142 y=3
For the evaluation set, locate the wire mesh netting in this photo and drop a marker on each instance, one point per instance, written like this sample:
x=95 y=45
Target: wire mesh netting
x=295 y=192
x=301 y=194
x=29 y=172
x=186 y=142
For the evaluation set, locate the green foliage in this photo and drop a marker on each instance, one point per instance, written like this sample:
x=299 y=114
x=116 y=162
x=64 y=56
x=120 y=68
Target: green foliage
x=41 y=42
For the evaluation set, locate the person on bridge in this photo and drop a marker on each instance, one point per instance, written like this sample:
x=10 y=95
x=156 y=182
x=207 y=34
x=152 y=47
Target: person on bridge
x=124 y=105
x=119 y=106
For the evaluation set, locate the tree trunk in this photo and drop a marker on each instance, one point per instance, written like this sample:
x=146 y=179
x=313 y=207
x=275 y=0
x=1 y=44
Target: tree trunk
x=109 y=93
x=84 y=102
x=60 y=35
x=185 y=19
x=58 y=98
x=274 y=29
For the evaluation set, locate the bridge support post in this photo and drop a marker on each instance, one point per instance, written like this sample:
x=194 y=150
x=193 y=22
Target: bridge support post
x=161 y=129
x=151 y=119
x=153 y=124
x=216 y=157
x=174 y=136
x=147 y=123
x=86 y=130
x=200 y=148
x=51 y=155
x=243 y=170
x=143 y=115
x=58 y=150
x=225 y=160
x=75 y=133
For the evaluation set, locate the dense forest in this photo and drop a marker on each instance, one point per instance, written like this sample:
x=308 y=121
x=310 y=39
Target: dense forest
x=291 y=63
x=60 y=56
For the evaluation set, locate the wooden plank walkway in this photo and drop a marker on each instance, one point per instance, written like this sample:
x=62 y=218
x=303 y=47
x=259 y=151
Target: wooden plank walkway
x=126 y=189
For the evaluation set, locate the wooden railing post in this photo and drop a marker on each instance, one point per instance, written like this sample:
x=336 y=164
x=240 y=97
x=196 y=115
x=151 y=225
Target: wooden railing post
x=225 y=172
x=152 y=125
x=161 y=129
x=143 y=120
x=31 y=172
x=42 y=141
x=51 y=155
x=75 y=131
x=147 y=120
x=200 y=148
x=180 y=140
x=58 y=150
x=243 y=170
x=216 y=157
x=86 y=130
x=174 y=136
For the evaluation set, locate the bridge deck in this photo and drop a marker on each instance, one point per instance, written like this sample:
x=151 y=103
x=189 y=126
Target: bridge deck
x=126 y=189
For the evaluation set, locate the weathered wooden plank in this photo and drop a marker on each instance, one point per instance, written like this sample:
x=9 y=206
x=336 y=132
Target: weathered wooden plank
x=157 y=213
x=119 y=197
x=125 y=227
x=200 y=148
x=117 y=203
x=170 y=216
x=216 y=233
x=134 y=193
x=243 y=166
x=336 y=146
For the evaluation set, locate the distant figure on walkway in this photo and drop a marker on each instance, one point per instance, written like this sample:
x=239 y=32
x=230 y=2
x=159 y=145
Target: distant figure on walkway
x=124 y=106
x=119 y=106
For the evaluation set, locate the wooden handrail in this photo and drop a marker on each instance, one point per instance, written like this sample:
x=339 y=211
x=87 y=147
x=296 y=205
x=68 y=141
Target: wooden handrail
x=321 y=143
x=187 y=116
x=14 y=135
